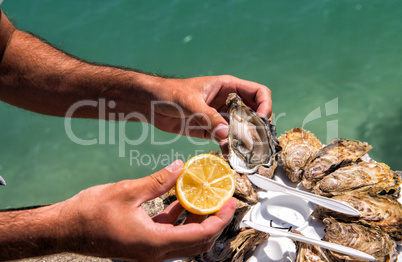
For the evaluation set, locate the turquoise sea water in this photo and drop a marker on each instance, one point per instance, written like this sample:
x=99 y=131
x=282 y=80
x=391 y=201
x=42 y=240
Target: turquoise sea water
x=334 y=67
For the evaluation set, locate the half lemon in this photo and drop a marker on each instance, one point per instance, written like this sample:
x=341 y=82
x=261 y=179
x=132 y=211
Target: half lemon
x=205 y=184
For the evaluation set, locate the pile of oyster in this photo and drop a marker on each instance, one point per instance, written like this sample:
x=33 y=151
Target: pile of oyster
x=340 y=170
x=343 y=171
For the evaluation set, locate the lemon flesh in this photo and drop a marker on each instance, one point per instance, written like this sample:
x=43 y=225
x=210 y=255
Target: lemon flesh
x=205 y=184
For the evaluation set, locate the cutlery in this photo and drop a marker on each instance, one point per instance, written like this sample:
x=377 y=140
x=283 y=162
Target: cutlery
x=274 y=232
x=272 y=185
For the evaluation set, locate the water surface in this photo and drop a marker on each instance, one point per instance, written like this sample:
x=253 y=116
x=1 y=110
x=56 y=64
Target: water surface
x=332 y=66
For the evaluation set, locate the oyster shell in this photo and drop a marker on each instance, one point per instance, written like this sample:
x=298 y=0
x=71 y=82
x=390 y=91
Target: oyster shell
x=252 y=140
x=381 y=211
x=266 y=171
x=370 y=240
x=298 y=147
x=332 y=156
x=244 y=189
x=234 y=242
x=372 y=177
x=307 y=252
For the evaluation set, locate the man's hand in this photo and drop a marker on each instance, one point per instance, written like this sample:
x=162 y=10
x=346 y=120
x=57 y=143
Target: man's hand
x=108 y=221
x=115 y=225
x=202 y=100
x=37 y=77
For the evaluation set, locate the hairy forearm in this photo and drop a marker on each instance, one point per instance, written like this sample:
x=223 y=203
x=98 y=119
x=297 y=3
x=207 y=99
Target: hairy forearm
x=38 y=77
x=34 y=232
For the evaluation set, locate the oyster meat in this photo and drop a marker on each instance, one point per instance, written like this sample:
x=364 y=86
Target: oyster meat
x=332 y=156
x=252 y=140
x=298 y=146
x=373 y=178
x=370 y=240
x=381 y=211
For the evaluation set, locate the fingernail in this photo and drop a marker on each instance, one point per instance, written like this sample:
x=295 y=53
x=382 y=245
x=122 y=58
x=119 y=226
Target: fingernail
x=176 y=165
x=221 y=131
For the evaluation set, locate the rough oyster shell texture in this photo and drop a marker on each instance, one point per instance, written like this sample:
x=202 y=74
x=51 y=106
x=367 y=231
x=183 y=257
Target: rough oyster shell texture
x=252 y=140
x=234 y=242
x=373 y=178
x=338 y=170
x=298 y=147
x=381 y=211
x=370 y=240
x=332 y=156
x=308 y=252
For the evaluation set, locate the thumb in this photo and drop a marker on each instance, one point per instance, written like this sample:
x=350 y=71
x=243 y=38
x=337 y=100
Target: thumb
x=210 y=119
x=160 y=182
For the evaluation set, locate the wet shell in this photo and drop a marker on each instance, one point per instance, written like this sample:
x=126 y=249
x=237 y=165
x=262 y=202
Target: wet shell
x=244 y=189
x=370 y=240
x=298 y=147
x=234 y=242
x=380 y=211
x=252 y=140
x=332 y=156
x=307 y=252
x=373 y=178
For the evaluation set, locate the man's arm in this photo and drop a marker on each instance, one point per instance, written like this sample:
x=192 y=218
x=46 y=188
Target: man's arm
x=38 y=77
x=33 y=232
x=108 y=221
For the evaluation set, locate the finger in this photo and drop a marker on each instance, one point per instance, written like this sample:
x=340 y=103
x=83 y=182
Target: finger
x=193 y=218
x=264 y=102
x=224 y=146
x=186 y=127
x=210 y=120
x=170 y=214
x=196 y=233
x=158 y=183
x=192 y=239
x=255 y=95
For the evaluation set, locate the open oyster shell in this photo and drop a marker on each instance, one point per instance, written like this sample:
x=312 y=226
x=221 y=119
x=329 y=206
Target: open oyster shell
x=370 y=240
x=252 y=140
